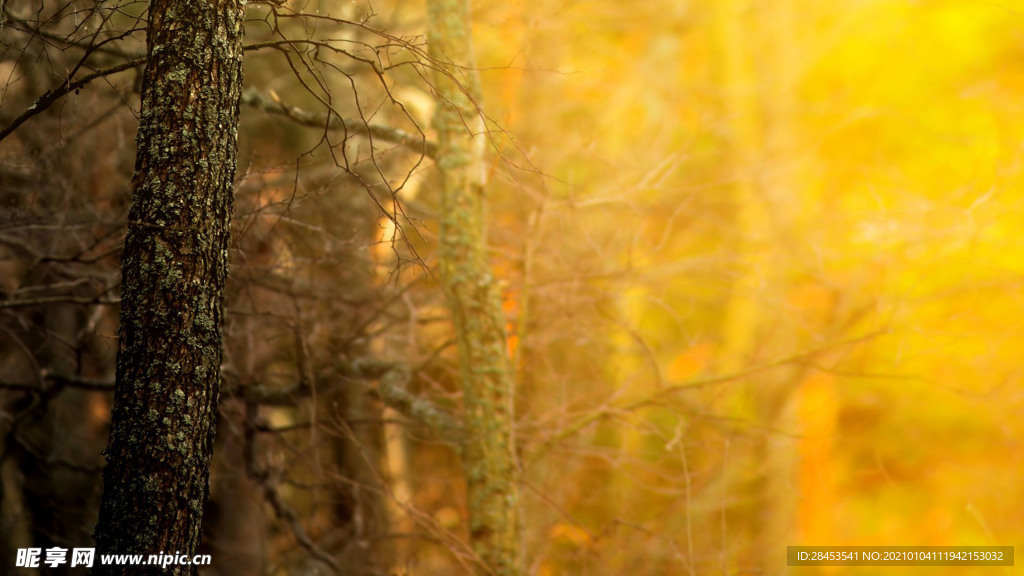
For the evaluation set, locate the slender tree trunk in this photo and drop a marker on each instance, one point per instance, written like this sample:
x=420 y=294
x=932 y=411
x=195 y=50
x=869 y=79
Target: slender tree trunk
x=175 y=264
x=759 y=104
x=489 y=453
x=752 y=223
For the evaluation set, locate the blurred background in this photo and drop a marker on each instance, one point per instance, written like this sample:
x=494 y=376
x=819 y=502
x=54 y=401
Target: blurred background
x=760 y=277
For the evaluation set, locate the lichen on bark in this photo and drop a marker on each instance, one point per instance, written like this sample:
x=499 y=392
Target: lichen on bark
x=174 y=270
x=472 y=294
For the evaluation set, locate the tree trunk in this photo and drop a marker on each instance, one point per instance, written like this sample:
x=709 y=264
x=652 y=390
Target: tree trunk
x=489 y=452
x=760 y=110
x=174 y=268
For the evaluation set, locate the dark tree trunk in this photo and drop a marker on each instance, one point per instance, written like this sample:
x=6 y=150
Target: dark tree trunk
x=174 y=268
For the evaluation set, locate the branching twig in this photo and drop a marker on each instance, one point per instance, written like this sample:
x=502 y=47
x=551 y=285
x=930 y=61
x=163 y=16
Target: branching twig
x=273 y=105
x=46 y=100
x=392 y=376
x=58 y=300
x=268 y=482
x=650 y=397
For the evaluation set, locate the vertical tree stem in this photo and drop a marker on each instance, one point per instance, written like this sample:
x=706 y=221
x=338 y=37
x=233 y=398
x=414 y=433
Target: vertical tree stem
x=174 y=269
x=489 y=453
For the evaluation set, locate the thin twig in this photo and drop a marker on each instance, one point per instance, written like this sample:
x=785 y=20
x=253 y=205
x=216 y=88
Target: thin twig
x=273 y=105
x=654 y=395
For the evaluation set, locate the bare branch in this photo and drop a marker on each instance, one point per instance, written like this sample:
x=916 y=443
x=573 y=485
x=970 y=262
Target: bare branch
x=46 y=100
x=59 y=300
x=392 y=376
x=649 y=398
x=273 y=105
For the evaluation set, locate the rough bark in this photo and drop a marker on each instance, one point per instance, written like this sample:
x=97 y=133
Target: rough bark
x=472 y=295
x=174 y=268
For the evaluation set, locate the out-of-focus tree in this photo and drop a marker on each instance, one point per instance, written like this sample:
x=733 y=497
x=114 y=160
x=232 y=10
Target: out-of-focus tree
x=472 y=292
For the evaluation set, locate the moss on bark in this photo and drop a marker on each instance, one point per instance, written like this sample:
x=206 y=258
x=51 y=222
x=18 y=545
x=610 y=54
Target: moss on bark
x=473 y=297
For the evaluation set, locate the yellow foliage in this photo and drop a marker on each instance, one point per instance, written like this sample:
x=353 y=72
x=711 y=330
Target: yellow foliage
x=569 y=535
x=690 y=362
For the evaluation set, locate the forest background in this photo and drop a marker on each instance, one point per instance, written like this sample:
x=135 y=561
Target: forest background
x=756 y=263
